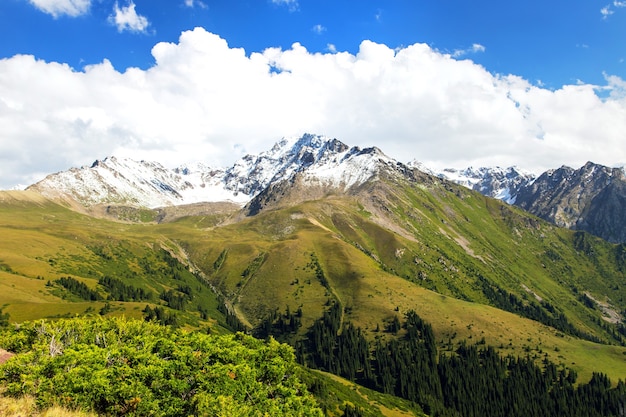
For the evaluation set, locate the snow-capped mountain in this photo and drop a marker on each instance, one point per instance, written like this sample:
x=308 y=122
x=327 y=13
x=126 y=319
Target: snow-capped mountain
x=501 y=183
x=591 y=198
x=308 y=167
x=141 y=183
x=315 y=159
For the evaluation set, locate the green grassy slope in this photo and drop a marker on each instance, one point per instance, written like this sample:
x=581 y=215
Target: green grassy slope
x=43 y=242
x=454 y=256
x=365 y=283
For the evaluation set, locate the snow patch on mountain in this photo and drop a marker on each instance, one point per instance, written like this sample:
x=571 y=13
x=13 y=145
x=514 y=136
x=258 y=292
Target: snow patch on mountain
x=349 y=168
x=147 y=184
x=501 y=183
x=415 y=164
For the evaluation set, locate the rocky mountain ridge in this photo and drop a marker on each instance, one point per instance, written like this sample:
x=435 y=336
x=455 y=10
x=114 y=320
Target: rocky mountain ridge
x=591 y=198
x=501 y=183
x=316 y=160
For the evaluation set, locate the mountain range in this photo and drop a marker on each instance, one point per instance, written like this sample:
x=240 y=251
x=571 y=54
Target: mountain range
x=590 y=198
x=314 y=159
x=331 y=248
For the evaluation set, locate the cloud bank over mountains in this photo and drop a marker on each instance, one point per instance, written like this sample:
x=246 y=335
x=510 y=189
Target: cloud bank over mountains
x=205 y=101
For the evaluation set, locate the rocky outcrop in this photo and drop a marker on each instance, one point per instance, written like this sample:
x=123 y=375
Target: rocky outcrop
x=501 y=183
x=592 y=198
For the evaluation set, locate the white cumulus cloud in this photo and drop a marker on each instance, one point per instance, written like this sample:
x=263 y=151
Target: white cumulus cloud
x=126 y=18
x=58 y=8
x=292 y=5
x=475 y=48
x=319 y=29
x=206 y=101
x=194 y=3
x=607 y=10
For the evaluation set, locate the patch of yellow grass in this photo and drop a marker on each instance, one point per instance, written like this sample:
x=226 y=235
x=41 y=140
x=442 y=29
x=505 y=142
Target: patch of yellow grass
x=25 y=406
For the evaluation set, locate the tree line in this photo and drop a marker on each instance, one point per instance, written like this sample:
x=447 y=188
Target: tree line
x=119 y=291
x=472 y=381
x=80 y=289
x=544 y=312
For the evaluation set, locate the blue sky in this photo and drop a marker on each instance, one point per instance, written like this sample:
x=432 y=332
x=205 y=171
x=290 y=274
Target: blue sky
x=556 y=42
x=537 y=84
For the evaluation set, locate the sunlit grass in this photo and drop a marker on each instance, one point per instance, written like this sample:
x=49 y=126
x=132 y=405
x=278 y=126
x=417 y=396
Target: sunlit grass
x=26 y=406
x=439 y=242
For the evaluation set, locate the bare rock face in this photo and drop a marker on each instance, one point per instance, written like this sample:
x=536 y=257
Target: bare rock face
x=592 y=198
x=606 y=214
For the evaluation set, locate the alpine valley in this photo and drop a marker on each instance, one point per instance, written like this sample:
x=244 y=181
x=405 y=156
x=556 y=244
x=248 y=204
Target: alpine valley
x=475 y=292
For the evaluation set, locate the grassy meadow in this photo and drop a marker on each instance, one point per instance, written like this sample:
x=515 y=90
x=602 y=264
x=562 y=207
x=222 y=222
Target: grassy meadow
x=451 y=255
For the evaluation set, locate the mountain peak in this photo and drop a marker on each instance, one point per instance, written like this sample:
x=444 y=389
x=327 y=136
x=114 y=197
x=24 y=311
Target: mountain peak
x=590 y=198
x=311 y=166
x=496 y=182
x=103 y=162
x=317 y=159
x=125 y=181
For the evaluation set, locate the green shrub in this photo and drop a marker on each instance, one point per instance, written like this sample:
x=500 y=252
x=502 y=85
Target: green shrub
x=126 y=367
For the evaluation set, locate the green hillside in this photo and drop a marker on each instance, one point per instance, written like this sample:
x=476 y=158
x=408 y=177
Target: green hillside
x=127 y=266
x=478 y=271
x=130 y=367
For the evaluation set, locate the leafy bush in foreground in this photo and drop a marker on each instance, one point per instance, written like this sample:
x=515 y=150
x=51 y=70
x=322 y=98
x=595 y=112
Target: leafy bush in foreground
x=117 y=366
